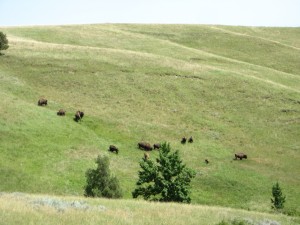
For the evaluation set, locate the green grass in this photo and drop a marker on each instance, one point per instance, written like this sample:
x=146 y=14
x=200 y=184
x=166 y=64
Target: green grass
x=234 y=89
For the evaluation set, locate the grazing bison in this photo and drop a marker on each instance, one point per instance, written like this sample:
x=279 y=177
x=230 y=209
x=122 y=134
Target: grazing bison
x=113 y=148
x=78 y=116
x=183 y=140
x=146 y=156
x=156 y=146
x=206 y=161
x=61 y=112
x=191 y=140
x=81 y=114
x=42 y=102
x=240 y=156
x=145 y=146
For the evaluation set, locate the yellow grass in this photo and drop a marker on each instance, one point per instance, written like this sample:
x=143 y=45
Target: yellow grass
x=20 y=208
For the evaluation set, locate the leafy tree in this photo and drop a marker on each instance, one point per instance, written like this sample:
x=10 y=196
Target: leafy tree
x=3 y=42
x=100 y=183
x=167 y=179
x=278 y=199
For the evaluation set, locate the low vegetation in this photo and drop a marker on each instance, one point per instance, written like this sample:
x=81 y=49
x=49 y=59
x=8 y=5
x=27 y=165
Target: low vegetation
x=19 y=208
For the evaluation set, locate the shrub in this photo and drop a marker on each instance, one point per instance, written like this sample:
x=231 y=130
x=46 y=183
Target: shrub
x=100 y=183
x=3 y=42
x=278 y=199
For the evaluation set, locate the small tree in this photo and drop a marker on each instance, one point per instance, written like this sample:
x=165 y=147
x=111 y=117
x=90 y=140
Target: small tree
x=3 y=42
x=167 y=179
x=100 y=183
x=278 y=199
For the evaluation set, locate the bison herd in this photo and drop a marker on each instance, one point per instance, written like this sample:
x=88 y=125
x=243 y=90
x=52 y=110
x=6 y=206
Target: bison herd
x=77 y=117
x=184 y=139
x=141 y=145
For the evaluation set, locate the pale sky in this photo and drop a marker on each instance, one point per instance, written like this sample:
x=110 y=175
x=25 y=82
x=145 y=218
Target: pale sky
x=223 y=12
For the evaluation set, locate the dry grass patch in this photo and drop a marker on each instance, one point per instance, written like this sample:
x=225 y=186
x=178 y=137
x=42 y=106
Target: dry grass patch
x=17 y=207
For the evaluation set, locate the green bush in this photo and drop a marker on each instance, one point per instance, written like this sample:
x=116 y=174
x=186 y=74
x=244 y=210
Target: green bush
x=3 y=42
x=167 y=179
x=278 y=199
x=100 y=183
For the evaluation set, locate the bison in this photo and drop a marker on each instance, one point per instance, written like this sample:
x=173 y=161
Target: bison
x=183 y=140
x=81 y=114
x=145 y=146
x=61 y=112
x=240 y=156
x=146 y=156
x=42 y=102
x=156 y=146
x=191 y=140
x=78 y=116
x=113 y=148
x=206 y=161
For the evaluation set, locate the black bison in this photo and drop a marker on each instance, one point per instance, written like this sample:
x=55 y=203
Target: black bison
x=240 y=156
x=81 y=114
x=113 y=148
x=191 y=140
x=206 y=161
x=145 y=146
x=183 y=140
x=61 y=112
x=156 y=146
x=78 y=116
x=146 y=156
x=42 y=102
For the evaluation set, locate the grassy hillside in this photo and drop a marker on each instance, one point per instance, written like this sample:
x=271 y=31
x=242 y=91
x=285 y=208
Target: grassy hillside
x=234 y=89
x=18 y=208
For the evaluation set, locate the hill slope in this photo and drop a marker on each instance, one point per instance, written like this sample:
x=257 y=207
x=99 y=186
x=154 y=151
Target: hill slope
x=232 y=88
